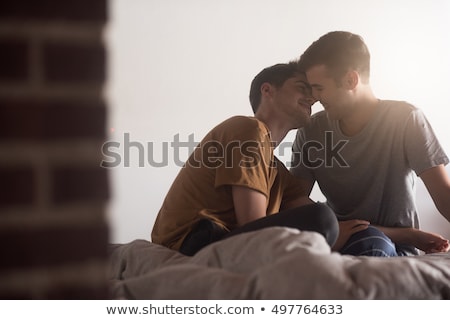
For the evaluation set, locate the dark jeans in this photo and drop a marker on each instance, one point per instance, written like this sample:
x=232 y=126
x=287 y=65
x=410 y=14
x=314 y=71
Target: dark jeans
x=316 y=217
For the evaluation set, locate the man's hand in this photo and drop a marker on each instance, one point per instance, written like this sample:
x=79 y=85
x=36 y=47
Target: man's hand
x=347 y=229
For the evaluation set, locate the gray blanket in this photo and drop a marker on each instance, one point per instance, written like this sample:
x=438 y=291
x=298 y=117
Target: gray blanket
x=273 y=263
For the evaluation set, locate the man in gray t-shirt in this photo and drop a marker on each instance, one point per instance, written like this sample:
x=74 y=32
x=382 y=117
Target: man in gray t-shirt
x=365 y=154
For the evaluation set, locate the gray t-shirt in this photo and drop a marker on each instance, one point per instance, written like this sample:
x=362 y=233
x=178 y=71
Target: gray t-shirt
x=372 y=174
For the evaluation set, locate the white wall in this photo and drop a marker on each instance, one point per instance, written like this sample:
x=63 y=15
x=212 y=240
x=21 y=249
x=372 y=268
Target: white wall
x=182 y=66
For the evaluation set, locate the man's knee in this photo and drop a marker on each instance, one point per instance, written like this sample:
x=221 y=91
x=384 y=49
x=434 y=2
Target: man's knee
x=369 y=242
x=326 y=222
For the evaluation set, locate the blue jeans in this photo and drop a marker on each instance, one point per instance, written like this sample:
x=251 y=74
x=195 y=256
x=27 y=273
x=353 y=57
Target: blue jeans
x=370 y=242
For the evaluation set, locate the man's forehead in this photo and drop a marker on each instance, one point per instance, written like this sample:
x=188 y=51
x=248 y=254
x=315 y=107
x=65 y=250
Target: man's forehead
x=320 y=70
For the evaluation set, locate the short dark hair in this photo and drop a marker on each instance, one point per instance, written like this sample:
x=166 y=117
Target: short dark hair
x=276 y=75
x=339 y=51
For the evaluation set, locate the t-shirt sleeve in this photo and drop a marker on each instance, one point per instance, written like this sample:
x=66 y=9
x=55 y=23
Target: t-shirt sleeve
x=247 y=161
x=423 y=150
x=298 y=167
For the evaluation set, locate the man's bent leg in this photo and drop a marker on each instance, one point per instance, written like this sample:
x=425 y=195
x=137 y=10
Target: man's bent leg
x=369 y=242
x=204 y=233
x=316 y=217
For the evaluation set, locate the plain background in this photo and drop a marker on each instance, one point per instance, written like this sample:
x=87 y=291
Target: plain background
x=179 y=67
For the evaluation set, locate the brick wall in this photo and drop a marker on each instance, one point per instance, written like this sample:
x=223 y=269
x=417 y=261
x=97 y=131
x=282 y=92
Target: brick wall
x=53 y=231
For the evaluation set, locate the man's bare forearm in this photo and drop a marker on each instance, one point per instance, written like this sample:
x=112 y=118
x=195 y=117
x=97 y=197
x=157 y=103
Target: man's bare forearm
x=397 y=234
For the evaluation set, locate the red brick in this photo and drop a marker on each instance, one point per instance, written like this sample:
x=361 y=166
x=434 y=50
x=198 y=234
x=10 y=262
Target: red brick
x=74 y=63
x=60 y=292
x=16 y=186
x=79 y=184
x=47 y=10
x=14 y=62
x=39 y=120
x=39 y=247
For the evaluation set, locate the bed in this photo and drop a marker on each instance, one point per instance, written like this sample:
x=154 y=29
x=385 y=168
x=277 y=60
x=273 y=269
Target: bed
x=273 y=263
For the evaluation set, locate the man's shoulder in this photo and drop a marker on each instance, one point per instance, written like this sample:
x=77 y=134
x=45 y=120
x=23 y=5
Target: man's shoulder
x=319 y=122
x=398 y=107
x=242 y=124
x=241 y=120
x=240 y=127
x=319 y=116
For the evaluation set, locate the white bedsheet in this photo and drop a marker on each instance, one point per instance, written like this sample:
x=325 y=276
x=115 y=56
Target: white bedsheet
x=273 y=263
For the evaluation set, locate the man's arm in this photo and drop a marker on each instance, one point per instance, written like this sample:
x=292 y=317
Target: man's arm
x=438 y=185
x=249 y=204
x=425 y=241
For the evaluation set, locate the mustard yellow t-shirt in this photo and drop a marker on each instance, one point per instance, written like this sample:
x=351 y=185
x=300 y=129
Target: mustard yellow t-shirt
x=238 y=151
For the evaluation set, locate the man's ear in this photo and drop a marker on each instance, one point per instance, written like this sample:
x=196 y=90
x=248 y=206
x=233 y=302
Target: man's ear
x=266 y=89
x=351 y=79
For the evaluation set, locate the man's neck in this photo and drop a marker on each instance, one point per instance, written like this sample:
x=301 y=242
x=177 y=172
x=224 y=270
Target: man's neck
x=360 y=116
x=277 y=129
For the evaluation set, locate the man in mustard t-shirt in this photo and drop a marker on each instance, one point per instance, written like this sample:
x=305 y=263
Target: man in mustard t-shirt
x=233 y=183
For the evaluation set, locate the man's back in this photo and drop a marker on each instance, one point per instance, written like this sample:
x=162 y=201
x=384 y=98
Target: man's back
x=236 y=152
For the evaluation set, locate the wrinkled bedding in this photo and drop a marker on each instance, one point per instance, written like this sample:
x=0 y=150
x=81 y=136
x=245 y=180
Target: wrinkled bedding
x=273 y=263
